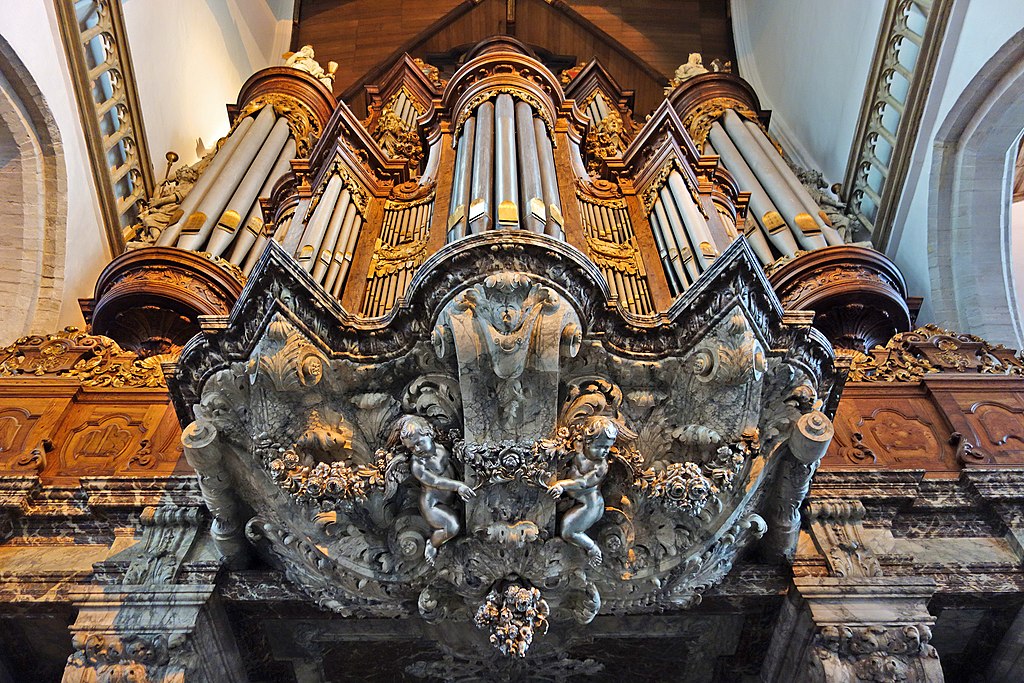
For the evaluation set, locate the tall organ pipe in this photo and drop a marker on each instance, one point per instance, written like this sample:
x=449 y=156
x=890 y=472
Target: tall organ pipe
x=337 y=256
x=313 y=234
x=675 y=237
x=804 y=226
x=764 y=211
x=534 y=209
x=256 y=239
x=696 y=226
x=678 y=232
x=548 y=179
x=459 y=205
x=506 y=194
x=244 y=197
x=169 y=236
x=216 y=198
x=479 y=209
x=346 y=262
x=433 y=161
x=326 y=252
x=666 y=261
x=832 y=235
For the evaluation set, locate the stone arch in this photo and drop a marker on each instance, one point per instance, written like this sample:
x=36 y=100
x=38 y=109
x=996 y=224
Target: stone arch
x=971 y=245
x=33 y=204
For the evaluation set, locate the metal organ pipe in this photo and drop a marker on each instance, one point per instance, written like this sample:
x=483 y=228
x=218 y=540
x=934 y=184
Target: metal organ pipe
x=506 y=193
x=478 y=211
x=696 y=225
x=245 y=195
x=340 y=250
x=534 y=210
x=678 y=249
x=831 y=235
x=313 y=234
x=678 y=232
x=194 y=234
x=761 y=205
x=198 y=191
x=804 y=226
x=325 y=255
x=257 y=240
x=548 y=179
x=459 y=204
x=433 y=161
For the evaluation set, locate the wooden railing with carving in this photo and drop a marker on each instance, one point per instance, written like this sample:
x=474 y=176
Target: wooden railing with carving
x=931 y=400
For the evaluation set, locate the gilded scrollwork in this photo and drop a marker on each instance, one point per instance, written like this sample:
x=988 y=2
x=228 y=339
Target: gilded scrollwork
x=93 y=360
x=302 y=122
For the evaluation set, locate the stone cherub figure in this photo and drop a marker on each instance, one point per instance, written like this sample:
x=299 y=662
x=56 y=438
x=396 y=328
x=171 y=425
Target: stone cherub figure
x=305 y=60
x=586 y=472
x=432 y=468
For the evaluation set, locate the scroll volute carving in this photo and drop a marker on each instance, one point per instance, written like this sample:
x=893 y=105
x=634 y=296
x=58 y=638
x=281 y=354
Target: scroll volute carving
x=309 y=102
x=702 y=99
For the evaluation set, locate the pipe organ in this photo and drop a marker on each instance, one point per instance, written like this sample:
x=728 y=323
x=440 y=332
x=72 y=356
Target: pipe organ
x=504 y=145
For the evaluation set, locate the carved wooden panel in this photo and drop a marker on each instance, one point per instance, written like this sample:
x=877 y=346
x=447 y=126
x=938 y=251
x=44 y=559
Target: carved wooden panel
x=896 y=426
x=28 y=414
x=990 y=415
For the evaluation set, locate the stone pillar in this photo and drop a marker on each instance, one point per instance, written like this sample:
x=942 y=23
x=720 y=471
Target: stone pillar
x=166 y=633
x=844 y=629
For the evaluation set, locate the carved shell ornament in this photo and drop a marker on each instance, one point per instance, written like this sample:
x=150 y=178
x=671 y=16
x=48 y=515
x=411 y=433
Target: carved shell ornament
x=502 y=451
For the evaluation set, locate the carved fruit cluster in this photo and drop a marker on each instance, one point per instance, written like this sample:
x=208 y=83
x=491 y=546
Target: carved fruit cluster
x=513 y=616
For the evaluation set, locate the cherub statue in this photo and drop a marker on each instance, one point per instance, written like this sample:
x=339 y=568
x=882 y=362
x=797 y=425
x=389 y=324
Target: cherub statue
x=587 y=471
x=305 y=60
x=431 y=466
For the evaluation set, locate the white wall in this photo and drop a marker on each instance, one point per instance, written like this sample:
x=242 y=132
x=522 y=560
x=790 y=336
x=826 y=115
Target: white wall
x=977 y=30
x=808 y=60
x=31 y=29
x=191 y=57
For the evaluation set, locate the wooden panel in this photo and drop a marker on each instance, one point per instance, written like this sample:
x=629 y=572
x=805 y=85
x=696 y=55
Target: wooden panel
x=640 y=43
x=989 y=413
x=890 y=426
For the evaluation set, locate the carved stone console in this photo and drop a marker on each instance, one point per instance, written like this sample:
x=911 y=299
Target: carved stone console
x=858 y=295
x=844 y=629
x=505 y=451
x=149 y=300
x=167 y=633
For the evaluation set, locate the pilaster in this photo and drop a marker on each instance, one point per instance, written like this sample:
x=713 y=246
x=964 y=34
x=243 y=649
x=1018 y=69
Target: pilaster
x=834 y=629
x=167 y=633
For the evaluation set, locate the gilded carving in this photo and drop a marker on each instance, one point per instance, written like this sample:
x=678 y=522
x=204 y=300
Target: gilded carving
x=302 y=122
x=93 y=360
x=699 y=119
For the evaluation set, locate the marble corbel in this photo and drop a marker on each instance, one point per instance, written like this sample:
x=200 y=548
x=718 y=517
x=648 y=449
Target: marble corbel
x=835 y=526
x=834 y=629
x=166 y=633
x=206 y=454
x=168 y=534
x=1002 y=490
x=812 y=434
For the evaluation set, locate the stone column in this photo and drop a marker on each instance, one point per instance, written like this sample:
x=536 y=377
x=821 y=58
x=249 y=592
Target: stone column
x=167 y=633
x=844 y=629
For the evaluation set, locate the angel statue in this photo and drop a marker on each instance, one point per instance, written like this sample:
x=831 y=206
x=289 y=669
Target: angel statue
x=586 y=472
x=432 y=468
